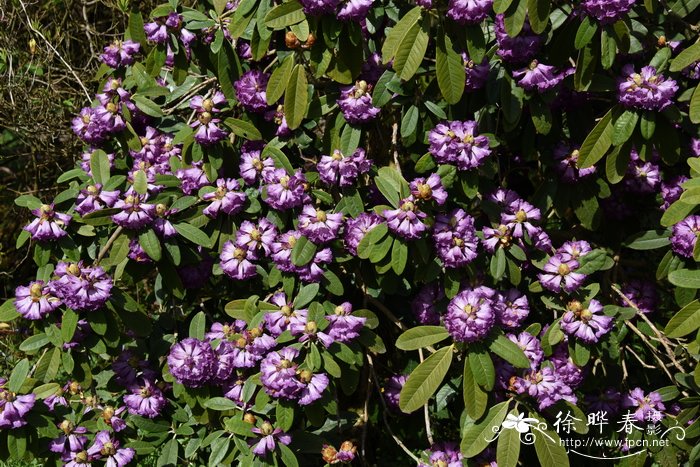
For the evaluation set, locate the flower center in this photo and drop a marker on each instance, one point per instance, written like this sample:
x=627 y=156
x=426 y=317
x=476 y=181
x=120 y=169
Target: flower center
x=408 y=206
x=266 y=429
x=321 y=216
x=204 y=118
x=305 y=376
x=208 y=105
x=563 y=269
x=257 y=164
x=284 y=181
x=284 y=363
x=255 y=235
x=108 y=449
x=239 y=254
x=337 y=155
x=93 y=190
x=521 y=216
x=66 y=426
x=74 y=270
x=469 y=309
x=286 y=310
x=424 y=191
x=311 y=327
x=81 y=457
x=35 y=291
x=292 y=241
x=468 y=139
x=586 y=315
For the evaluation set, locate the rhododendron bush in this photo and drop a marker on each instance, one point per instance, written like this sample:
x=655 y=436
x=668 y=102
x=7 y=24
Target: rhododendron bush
x=374 y=233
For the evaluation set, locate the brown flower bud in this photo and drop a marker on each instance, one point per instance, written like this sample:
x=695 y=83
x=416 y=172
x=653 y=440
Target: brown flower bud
x=310 y=41
x=328 y=453
x=291 y=40
x=249 y=418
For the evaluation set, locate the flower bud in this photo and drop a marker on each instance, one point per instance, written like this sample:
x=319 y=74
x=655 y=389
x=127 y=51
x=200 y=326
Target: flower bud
x=291 y=40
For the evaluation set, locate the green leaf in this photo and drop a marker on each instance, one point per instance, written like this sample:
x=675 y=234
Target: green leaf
x=482 y=367
x=585 y=32
x=550 y=451
x=99 y=166
x=303 y=251
x=476 y=434
x=585 y=66
x=147 y=106
x=498 y=264
x=287 y=456
x=649 y=240
x=34 y=342
x=372 y=247
x=509 y=351
x=475 y=397
x=68 y=324
x=538 y=13
x=198 y=326
x=689 y=279
x=140 y=182
x=399 y=256
x=694 y=111
x=514 y=17
x=396 y=35
x=19 y=374
x=616 y=164
x=409 y=121
x=279 y=80
x=284 y=15
x=306 y=295
x=592 y=261
x=220 y=403
x=243 y=129
x=28 y=201
x=608 y=49
x=8 y=312
x=411 y=51
x=648 y=124
x=421 y=336
x=169 y=454
x=541 y=115
x=597 y=142
x=450 y=71
x=508 y=447
x=425 y=379
x=193 y=234
x=381 y=94
x=676 y=212
x=136 y=32
x=284 y=416
x=686 y=57
x=296 y=97
x=686 y=321
x=623 y=127
x=151 y=244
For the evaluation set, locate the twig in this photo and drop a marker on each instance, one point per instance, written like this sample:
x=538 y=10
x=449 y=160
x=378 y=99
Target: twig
x=654 y=350
x=398 y=441
x=108 y=245
x=365 y=418
x=394 y=145
x=426 y=413
x=38 y=33
x=639 y=359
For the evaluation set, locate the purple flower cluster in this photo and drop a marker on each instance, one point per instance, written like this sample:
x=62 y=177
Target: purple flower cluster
x=424 y=304
x=685 y=236
x=356 y=103
x=606 y=12
x=250 y=90
x=341 y=170
x=476 y=73
x=445 y=453
x=647 y=407
x=208 y=132
x=35 y=300
x=586 y=323
x=120 y=53
x=191 y=362
x=80 y=287
x=469 y=11
x=392 y=389
x=458 y=143
x=642 y=294
x=14 y=407
x=455 y=238
x=282 y=378
x=471 y=314
x=560 y=270
x=519 y=49
x=539 y=77
x=517 y=224
x=357 y=228
x=407 y=220
x=565 y=160
x=645 y=90
x=48 y=224
x=227 y=198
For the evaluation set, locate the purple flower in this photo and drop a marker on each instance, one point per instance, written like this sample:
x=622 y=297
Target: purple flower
x=137 y=253
x=192 y=178
x=112 y=417
x=476 y=73
x=93 y=198
x=251 y=347
x=136 y=213
x=355 y=10
x=120 y=53
x=278 y=374
x=539 y=77
x=671 y=190
x=560 y=274
x=35 y=301
x=319 y=226
x=356 y=103
x=645 y=90
x=250 y=90
x=128 y=368
x=157 y=30
x=407 y=220
x=458 y=143
x=469 y=11
x=574 y=250
x=642 y=293
x=607 y=12
x=107 y=447
x=519 y=49
x=455 y=238
x=48 y=224
x=319 y=7
x=392 y=389
x=88 y=127
x=564 y=367
x=514 y=309
x=191 y=362
x=237 y=262
x=225 y=331
x=545 y=387
x=309 y=331
x=224 y=365
x=72 y=438
x=530 y=346
x=270 y=436
x=312 y=272
x=647 y=406
x=82 y=288
x=565 y=159
x=586 y=323
x=685 y=235
x=519 y=216
x=282 y=250
x=470 y=315
x=357 y=228
x=253 y=164
x=429 y=189
x=345 y=327
x=208 y=132
x=500 y=236
x=257 y=238
x=227 y=198
x=423 y=305
x=13 y=408
x=313 y=386
x=145 y=399
x=282 y=191
x=340 y=170
x=446 y=454
x=279 y=321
